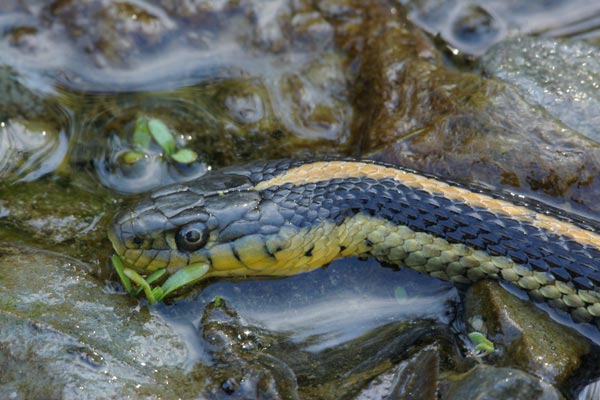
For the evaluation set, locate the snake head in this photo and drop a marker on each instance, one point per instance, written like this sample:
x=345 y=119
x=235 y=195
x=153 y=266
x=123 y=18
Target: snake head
x=183 y=226
x=179 y=224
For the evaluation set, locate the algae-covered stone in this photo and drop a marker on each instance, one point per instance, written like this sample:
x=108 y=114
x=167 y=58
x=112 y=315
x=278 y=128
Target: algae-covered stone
x=57 y=215
x=532 y=341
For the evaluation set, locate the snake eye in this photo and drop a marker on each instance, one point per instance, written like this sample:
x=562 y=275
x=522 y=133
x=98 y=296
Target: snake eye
x=191 y=237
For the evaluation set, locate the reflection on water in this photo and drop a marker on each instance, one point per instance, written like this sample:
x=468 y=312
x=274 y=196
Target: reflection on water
x=335 y=319
x=330 y=306
x=150 y=172
x=28 y=152
x=473 y=26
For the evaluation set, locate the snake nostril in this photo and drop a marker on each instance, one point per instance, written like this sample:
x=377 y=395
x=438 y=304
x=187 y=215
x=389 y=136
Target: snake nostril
x=138 y=241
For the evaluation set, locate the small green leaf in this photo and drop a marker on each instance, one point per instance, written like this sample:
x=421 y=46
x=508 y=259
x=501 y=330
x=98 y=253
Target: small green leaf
x=481 y=342
x=156 y=275
x=185 y=156
x=141 y=134
x=184 y=276
x=131 y=157
x=137 y=279
x=400 y=294
x=158 y=293
x=119 y=267
x=162 y=135
x=218 y=300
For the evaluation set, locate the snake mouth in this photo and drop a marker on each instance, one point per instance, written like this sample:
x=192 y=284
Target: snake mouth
x=115 y=240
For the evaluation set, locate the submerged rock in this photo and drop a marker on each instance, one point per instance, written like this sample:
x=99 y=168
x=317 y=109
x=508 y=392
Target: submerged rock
x=529 y=339
x=34 y=130
x=485 y=382
x=250 y=362
x=415 y=378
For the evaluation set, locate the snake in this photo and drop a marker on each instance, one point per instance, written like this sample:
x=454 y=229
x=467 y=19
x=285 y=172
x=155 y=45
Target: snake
x=284 y=217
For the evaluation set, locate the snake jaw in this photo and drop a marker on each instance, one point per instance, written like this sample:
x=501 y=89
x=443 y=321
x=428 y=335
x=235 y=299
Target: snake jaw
x=114 y=239
x=130 y=264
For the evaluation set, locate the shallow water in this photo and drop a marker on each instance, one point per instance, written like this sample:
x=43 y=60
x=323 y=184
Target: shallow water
x=240 y=81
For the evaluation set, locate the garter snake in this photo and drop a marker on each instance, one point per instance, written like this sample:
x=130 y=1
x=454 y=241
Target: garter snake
x=284 y=217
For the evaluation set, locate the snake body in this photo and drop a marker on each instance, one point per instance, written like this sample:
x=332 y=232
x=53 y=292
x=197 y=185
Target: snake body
x=284 y=217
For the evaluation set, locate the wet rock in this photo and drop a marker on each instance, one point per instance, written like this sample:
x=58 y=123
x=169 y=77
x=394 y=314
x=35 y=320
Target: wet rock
x=484 y=382
x=33 y=129
x=245 y=107
x=562 y=77
x=242 y=104
x=413 y=379
x=418 y=113
x=310 y=28
x=399 y=69
x=270 y=364
x=311 y=101
x=120 y=32
x=270 y=28
x=334 y=335
x=63 y=335
x=297 y=105
x=531 y=341
x=54 y=215
x=241 y=369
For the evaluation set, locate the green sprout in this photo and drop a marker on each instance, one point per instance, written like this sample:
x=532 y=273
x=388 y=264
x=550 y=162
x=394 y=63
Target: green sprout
x=141 y=134
x=400 y=294
x=148 y=130
x=481 y=342
x=162 y=135
x=131 y=157
x=184 y=156
x=182 y=277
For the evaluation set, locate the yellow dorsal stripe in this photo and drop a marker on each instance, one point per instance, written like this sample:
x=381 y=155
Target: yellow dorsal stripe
x=325 y=170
